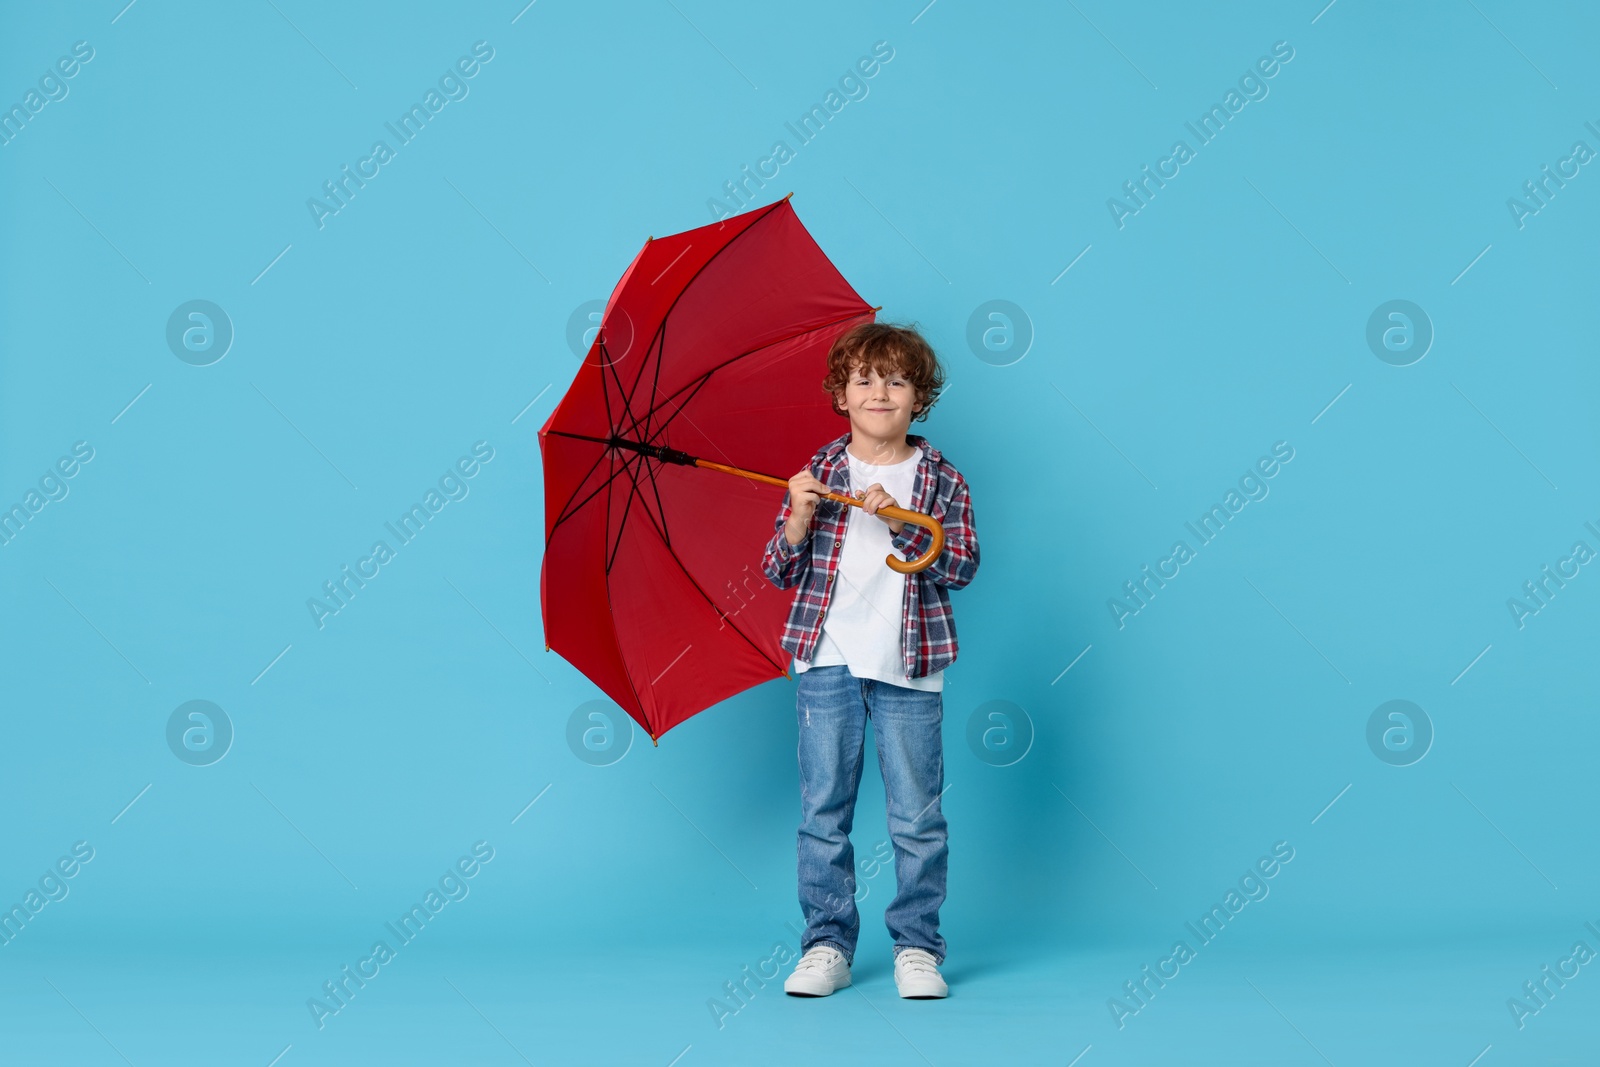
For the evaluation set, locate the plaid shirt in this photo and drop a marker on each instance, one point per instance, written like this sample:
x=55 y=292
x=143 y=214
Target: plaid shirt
x=928 y=642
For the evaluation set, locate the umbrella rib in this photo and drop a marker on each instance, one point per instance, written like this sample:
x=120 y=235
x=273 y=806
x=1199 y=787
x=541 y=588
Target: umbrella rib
x=666 y=540
x=632 y=491
x=624 y=394
x=592 y=467
x=613 y=549
x=655 y=384
x=660 y=527
x=696 y=385
x=679 y=413
x=651 y=473
x=574 y=506
x=573 y=509
x=661 y=508
x=667 y=315
x=662 y=325
x=605 y=395
x=611 y=612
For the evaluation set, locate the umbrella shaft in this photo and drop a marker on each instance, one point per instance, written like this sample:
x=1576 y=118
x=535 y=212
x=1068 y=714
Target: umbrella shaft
x=661 y=452
x=673 y=455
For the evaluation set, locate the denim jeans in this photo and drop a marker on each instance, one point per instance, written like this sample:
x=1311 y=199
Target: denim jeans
x=833 y=706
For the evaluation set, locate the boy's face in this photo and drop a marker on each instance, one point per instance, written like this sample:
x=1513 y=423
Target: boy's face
x=880 y=407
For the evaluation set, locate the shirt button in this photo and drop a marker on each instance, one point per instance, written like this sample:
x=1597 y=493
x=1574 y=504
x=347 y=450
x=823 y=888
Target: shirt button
x=836 y=544
x=830 y=579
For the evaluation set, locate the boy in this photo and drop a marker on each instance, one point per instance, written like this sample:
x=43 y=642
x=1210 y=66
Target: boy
x=870 y=642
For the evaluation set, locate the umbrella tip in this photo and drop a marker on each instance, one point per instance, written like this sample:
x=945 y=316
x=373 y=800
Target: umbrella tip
x=654 y=741
x=790 y=193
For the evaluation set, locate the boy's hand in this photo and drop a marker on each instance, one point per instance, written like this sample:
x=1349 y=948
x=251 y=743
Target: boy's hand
x=805 y=490
x=876 y=497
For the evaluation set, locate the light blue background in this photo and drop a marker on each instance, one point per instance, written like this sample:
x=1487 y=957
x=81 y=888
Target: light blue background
x=432 y=312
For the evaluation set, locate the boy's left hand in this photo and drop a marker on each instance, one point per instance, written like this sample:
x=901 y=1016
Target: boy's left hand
x=876 y=497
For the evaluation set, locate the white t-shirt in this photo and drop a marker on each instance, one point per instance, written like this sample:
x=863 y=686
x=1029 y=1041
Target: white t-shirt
x=866 y=611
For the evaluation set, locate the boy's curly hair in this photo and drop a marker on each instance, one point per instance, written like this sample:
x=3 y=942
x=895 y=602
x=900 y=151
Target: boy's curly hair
x=887 y=349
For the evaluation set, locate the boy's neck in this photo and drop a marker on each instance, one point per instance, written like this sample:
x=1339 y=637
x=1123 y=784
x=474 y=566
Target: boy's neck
x=879 y=451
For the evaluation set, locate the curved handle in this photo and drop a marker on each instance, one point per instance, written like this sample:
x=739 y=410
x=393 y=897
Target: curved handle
x=915 y=518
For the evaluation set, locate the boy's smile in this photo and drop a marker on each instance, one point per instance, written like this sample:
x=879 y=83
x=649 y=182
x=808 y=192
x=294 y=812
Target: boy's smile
x=880 y=409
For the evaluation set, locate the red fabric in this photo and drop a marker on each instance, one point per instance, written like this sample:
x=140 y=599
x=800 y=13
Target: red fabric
x=715 y=343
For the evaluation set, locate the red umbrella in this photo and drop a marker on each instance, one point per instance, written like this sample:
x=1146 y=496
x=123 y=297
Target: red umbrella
x=713 y=345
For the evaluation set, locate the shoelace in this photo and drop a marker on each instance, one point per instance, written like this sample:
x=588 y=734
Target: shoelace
x=816 y=960
x=917 y=963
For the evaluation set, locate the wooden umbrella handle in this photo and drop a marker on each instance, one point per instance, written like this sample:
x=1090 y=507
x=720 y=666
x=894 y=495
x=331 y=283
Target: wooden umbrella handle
x=915 y=518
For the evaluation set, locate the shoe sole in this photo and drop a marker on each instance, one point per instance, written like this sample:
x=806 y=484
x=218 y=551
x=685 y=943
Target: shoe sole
x=911 y=991
x=815 y=991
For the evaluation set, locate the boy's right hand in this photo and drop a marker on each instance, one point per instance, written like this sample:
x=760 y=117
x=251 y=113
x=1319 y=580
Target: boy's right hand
x=805 y=490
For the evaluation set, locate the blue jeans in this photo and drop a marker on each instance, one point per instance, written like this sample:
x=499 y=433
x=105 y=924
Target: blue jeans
x=833 y=706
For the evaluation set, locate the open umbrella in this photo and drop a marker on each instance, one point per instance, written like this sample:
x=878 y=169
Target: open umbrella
x=709 y=357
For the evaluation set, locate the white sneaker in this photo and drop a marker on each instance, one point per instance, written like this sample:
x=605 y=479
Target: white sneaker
x=917 y=975
x=820 y=971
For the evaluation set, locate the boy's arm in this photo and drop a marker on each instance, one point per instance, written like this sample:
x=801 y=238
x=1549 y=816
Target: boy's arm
x=958 y=563
x=785 y=564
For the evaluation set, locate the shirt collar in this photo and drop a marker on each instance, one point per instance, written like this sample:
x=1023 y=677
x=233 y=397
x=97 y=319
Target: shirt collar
x=834 y=451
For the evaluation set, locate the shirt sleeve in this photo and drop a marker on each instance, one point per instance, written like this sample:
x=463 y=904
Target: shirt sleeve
x=785 y=564
x=958 y=563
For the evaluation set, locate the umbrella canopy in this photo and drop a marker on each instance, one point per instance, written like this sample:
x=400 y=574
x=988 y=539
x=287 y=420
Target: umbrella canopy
x=714 y=343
